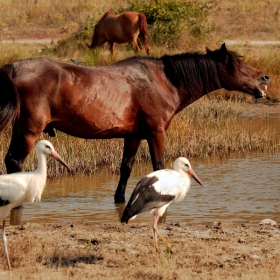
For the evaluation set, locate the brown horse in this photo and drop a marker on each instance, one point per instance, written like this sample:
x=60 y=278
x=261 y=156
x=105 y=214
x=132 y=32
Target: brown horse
x=134 y=99
x=121 y=29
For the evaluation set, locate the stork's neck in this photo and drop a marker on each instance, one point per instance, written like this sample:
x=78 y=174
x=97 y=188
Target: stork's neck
x=183 y=174
x=42 y=164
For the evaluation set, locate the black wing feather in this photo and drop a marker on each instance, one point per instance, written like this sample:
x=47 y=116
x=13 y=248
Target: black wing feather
x=4 y=202
x=144 y=198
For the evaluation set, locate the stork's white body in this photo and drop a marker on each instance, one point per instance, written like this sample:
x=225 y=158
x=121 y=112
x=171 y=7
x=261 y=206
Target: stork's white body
x=17 y=188
x=170 y=182
x=20 y=187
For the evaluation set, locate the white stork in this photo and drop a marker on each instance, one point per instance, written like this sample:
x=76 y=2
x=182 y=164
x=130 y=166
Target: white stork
x=157 y=190
x=16 y=188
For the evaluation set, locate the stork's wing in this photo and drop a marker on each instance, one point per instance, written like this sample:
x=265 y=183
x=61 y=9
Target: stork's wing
x=13 y=187
x=145 y=198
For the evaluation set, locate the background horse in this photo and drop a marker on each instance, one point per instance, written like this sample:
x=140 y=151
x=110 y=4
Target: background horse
x=121 y=29
x=134 y=99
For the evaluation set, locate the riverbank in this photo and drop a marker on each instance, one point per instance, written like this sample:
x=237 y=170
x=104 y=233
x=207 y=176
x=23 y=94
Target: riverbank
x=118 y=251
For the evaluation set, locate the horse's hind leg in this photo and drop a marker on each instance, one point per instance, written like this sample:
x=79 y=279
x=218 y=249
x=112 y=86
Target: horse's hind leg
x=20 y=147
x=135 y=44
x=146 y=46
x=130 y=148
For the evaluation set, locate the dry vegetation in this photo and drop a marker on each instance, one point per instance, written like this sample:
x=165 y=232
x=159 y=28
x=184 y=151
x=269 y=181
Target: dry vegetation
x=115 y=251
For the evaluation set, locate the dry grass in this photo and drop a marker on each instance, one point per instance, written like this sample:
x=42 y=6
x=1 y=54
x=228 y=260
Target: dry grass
x=102 y=251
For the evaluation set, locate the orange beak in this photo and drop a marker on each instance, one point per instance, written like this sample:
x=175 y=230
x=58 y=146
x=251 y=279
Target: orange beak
x=192 y=174
x=56 y=156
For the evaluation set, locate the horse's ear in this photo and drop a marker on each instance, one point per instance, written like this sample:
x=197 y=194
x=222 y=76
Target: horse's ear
x=208 y=50
x=220 y=55
x=224 y=53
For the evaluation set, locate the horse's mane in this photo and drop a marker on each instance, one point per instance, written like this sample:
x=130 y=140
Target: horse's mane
x=193 y=71
x=196 y=70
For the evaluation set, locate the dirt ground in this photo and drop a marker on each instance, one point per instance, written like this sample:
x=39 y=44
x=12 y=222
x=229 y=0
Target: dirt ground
x=126 y=251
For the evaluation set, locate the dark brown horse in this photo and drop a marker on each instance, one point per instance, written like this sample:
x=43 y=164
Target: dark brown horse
x=121 y=29
x=134 y=99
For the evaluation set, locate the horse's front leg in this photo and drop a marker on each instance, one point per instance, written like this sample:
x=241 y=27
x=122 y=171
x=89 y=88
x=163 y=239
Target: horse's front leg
x=129 y=151
x=156 y=146
x=112 y=48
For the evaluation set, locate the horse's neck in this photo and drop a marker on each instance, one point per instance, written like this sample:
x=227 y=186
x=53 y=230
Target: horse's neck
x=186 y=98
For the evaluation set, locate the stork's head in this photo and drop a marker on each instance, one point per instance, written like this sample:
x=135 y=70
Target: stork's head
x=46 y=148
x=183 y=164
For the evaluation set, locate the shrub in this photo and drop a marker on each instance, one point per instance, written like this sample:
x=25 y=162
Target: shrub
x=170 y=20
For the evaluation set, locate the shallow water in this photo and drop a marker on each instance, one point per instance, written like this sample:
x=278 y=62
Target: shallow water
x=237 y=189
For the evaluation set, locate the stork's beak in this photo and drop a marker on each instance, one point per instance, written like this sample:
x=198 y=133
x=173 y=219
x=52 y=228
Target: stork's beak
x=56 y=156
x=192 y=174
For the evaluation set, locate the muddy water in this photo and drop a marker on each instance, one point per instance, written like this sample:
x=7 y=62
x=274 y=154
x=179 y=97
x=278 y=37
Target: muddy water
x=237 y=189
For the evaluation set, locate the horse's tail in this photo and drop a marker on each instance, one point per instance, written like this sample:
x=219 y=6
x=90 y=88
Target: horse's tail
x=9 y=97
x=143 y=35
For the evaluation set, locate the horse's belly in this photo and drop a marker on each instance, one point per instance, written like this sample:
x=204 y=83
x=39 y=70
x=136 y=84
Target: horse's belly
x=91 y=131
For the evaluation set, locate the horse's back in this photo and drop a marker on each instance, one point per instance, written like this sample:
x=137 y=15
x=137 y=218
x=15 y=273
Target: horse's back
x=31 y=70
x=118 y=28
x=129 y=22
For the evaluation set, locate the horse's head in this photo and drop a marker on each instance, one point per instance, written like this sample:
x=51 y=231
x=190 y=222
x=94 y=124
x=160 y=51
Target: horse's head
x=237 y=75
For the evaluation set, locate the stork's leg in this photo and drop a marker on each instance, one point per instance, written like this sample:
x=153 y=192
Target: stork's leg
x=129 y=151
x=5 y=245
x=156 y=217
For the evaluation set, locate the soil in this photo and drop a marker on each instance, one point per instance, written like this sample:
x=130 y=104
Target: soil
x=264 y=107
x=16 y=33
x=126 y=251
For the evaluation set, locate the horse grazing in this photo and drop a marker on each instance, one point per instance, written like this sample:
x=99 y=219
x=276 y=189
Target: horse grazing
x=121 y=29
x=135 y=98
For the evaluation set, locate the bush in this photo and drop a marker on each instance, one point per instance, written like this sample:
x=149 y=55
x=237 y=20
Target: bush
x=170 y=20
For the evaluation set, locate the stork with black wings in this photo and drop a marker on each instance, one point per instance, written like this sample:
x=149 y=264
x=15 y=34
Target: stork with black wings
x=157 y=190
